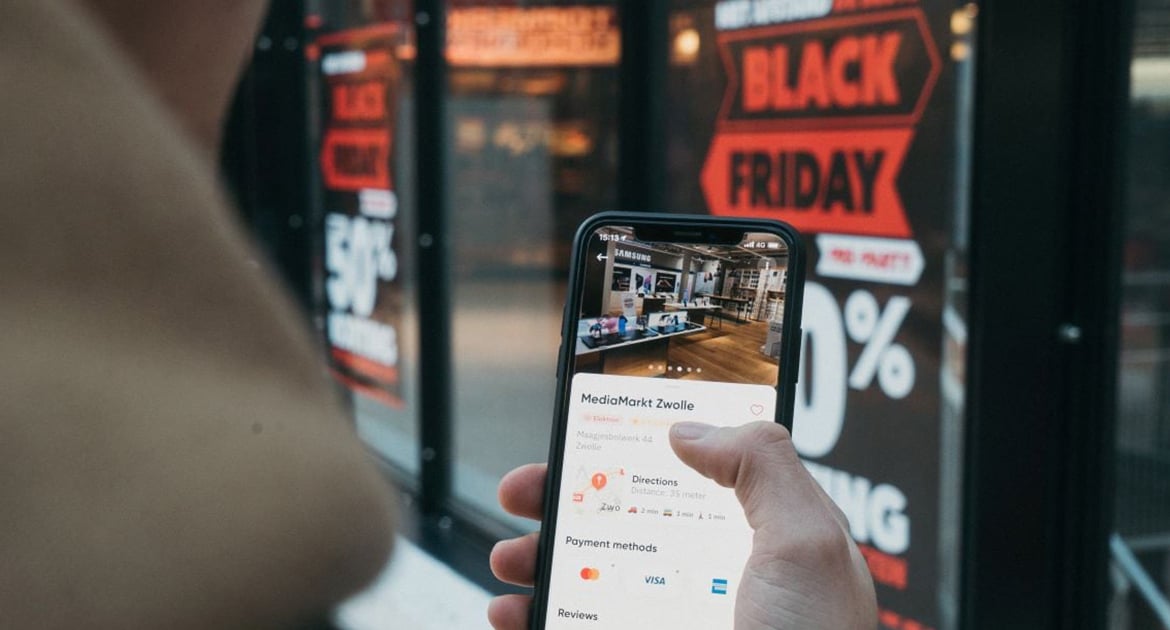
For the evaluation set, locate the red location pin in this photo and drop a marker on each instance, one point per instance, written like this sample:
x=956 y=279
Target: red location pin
x=599 y=481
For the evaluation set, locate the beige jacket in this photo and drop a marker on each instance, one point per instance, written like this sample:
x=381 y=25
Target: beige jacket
x=171 y=455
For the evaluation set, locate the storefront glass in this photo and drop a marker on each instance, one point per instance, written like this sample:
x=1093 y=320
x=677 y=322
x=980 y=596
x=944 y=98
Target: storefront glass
x=848 y=120
x=1141 y=548
x=361 y=66
x=532 y=114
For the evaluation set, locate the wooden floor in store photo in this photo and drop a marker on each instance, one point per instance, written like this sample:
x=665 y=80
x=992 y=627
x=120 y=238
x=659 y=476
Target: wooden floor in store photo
x=730 y=354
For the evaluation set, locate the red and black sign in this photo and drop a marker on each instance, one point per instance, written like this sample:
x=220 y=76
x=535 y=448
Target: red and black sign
x=819 y=181
x=359 y=77
x=841 y=118
x=356 y=159
x=817 y=118
x=869 y=69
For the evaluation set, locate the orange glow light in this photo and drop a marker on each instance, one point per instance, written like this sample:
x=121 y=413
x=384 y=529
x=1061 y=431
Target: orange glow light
x=533 y=36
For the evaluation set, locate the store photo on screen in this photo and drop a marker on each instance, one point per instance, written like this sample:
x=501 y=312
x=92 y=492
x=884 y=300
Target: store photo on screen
x=692 y=311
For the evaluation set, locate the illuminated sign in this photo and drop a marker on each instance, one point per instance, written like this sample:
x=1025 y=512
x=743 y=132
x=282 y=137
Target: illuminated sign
x=533 y=36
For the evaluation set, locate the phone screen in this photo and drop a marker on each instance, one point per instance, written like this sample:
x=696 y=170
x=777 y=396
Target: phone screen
x=665 y=332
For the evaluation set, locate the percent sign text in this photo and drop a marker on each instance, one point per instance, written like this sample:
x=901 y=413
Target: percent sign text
x=866 y=323
x=825 y=371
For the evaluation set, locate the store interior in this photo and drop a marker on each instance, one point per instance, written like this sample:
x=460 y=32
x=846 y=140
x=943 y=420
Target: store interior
x=683 y=311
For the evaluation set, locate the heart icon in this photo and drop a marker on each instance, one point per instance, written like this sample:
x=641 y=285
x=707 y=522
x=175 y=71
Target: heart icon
x=757 y=410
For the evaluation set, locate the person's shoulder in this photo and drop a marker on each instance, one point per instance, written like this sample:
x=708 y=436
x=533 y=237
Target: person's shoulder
x=173 y=453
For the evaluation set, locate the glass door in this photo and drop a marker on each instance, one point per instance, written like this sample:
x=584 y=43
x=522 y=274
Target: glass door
x=1140 y=545
x=532 y=106
x=361 y=62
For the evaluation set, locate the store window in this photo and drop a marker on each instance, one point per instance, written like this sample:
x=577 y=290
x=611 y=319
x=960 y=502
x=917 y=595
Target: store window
x=1141 y=546
x=850 y=120
x=361 y=66
x=532 y=120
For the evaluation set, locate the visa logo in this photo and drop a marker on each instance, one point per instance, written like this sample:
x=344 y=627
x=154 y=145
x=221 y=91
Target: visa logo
x=656 y=580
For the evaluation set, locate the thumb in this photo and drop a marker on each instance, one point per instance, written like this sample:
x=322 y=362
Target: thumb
x=804 y=561
x=758 y=461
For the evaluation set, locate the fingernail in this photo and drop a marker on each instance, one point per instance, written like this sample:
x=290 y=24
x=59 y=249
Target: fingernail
x=690 y=430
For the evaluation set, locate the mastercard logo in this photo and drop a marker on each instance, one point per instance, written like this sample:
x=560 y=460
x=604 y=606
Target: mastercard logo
x=590 y=574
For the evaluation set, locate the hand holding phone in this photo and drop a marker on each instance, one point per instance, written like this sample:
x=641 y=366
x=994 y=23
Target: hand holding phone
x=634 y=537
x=804 y=570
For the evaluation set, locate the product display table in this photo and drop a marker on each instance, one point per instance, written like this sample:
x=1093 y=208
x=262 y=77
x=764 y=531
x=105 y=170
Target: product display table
x=587 y=344
x=736 y=302
x=642 y=353
x=696 y=313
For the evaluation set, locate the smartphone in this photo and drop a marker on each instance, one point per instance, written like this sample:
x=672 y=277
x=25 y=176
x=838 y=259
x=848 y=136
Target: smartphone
x=632 y=538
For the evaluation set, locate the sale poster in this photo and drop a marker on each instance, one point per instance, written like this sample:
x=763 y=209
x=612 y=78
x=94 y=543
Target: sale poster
x=840 y=117
x=359 y=79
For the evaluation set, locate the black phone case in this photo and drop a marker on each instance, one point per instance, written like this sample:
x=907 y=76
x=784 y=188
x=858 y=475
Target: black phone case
x=788 y=365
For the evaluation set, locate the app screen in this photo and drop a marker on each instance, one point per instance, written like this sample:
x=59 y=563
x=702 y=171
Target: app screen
x=666 y=333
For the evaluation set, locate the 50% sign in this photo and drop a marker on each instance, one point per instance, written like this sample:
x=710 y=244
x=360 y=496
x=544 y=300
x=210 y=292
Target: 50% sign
x=825 y=373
